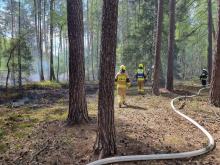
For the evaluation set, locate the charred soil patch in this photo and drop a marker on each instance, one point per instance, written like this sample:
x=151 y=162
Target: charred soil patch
x=38 y=135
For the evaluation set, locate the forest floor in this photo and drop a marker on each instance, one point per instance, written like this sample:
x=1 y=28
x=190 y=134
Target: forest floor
x=32 y=129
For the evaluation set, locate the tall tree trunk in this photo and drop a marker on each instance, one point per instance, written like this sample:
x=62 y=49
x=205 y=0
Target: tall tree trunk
x=64 y=55
x=171 y=42
x=12 y=36
x=161 y=76
x=87 y=69
x=92 y=54
x=158 y=49
x=105 y=142
x=9 y=59
x=77 y=105
x=210 y=40
x=8 y=63
x=59 y=52
x=19 y=46
x=92 y=43
x=97 y=52
x=46 y=42
x=154 y=31
x=215 y=83
x=36 y=24
x=213 y=31
x=52 y=74
x=40 y=42
x=67 y=55
x=98 y=46
x=8 y=72
x=88 y=40
x=184 y=64
x=162 y=81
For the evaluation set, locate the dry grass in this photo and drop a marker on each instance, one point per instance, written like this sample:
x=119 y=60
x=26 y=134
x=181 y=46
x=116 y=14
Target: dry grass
x=146 y=126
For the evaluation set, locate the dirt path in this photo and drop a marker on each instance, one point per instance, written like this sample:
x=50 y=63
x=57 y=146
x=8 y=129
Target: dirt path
x=146 y=126
x=151 y=127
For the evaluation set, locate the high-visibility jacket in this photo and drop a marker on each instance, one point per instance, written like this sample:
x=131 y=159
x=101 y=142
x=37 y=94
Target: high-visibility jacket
x=140 y=74
x=122 y=80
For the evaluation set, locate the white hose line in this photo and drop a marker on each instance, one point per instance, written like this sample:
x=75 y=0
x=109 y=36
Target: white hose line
x=130 y=158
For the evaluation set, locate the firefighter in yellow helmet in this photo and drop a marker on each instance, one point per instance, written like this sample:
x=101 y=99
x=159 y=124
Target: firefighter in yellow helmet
x=140 y=77
x=122 y=80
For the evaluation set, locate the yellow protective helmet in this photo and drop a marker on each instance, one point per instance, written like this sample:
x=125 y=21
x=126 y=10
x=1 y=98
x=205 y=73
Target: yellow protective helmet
x=140 y=65
x=122 y=67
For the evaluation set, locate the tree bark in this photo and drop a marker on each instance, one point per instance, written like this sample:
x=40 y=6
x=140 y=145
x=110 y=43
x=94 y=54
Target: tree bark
x=171 y=42
x=161 y=76
x=88 y=41
x=162 y=81
x=59 y=52
x=77 y=98
x=64 y=55
x=36 y=25
x=151 y=57
x=40 y=41
x=52 y=74
x=105 y=142
x=92 y=54
x=158 y=49
x=67 y=55
x=210 y=40
x=19 y=46
x=46 y=47
x=8 y=70
x=213 y=31
x=92 y=43
x=12 y=36
x=215 y=83
x=97 y=51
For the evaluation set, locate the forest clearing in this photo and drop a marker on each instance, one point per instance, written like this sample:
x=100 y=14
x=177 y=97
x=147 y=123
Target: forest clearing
x=147 y=125
x=96 y=82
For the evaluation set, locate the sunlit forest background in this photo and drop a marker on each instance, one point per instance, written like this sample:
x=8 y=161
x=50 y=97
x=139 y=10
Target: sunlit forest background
x=41 y=29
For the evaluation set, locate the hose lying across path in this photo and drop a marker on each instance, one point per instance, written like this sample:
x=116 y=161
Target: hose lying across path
x=210 y=146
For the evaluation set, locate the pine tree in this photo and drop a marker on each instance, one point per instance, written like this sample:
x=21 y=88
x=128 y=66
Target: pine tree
x=105 y=144
x=77 y=98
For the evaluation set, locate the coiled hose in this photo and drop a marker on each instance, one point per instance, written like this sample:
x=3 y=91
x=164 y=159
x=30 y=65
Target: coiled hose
x=210 y=146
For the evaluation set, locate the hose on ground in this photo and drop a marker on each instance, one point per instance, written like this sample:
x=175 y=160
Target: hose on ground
x=210 y=146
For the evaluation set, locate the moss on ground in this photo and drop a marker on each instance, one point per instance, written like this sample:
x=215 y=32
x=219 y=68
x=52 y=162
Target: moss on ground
x=18 y=123
x=44 y=85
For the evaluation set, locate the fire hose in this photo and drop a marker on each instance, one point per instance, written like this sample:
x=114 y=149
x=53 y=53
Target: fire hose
x=189 y=154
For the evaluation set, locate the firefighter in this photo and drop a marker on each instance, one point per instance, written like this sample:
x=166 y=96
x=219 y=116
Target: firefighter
x=123 y=82
x=203 y=77
x=140 y=77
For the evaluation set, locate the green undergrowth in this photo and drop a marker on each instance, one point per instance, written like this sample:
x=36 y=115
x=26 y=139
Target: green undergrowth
x=52 y=85
x=17 y=124
x=45 y=85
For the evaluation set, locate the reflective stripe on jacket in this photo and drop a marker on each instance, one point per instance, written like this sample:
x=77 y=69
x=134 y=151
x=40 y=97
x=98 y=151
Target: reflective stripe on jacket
x=122 y=79
x=140 y=74
x=203 y=76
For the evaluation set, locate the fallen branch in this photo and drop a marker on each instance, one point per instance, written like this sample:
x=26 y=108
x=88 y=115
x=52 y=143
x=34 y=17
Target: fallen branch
x=21 y=156
x=37 y=153
x=182 y=105
x=217 y=116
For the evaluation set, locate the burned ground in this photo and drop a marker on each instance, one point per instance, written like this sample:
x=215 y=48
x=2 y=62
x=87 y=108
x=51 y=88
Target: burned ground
x=35 y=132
